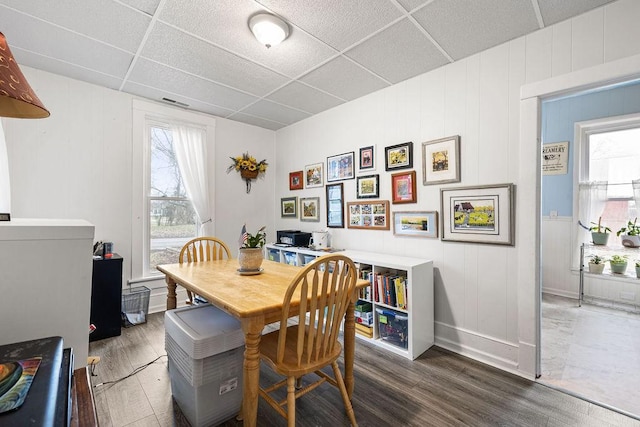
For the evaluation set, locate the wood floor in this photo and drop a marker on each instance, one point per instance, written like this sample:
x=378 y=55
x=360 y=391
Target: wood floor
x=438 y=389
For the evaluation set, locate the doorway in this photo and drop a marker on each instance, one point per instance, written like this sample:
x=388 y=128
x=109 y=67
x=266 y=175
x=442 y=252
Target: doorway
x=591 y=351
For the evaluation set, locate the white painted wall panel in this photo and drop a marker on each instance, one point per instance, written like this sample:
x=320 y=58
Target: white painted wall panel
x=587 y=39
x=621 y=30
x=561 y=48
x=539 y=58
x=469 y=147
x=557 y=278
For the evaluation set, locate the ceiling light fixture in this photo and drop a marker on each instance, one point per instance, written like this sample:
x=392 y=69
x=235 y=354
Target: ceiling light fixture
x=268 y=29
x=17 y=100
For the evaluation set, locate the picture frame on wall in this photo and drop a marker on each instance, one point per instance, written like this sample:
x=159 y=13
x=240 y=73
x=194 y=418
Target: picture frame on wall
x=310 y=209
x=441 y=161
x=370 y=215
x=483 y=214
x=296 y=180
x=367 y=160
x=368 y=187
x=289 y=207
x=416 y=224
x=313 y=175
x=399 y=156
x=403 y=187
x=335 y=205
x=340 y=167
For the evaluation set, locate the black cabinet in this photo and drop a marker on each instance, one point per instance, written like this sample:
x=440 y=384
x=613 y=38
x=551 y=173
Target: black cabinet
x=106 y=297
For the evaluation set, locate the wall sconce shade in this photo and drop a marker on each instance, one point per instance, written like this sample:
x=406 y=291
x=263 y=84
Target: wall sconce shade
x=268 y=29
x=17 y=99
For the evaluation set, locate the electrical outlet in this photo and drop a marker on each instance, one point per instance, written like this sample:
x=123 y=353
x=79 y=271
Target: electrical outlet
x=93 y=360
x=553 y=214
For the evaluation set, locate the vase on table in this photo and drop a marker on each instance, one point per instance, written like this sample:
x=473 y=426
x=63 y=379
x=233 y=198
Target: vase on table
x=250 y=259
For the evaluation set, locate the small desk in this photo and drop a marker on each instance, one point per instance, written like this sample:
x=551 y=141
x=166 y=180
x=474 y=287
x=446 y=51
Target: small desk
x=256 y=301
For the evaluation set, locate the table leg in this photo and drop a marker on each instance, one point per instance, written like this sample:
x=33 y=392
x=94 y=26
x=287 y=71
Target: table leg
x=171 y=293
x=252 y=329
x=349 y=347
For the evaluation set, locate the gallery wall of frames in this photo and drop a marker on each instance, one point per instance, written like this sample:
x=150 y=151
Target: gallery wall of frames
x=479 y=214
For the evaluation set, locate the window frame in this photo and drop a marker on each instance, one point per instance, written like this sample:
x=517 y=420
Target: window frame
x=582 y=132
x=144 y=115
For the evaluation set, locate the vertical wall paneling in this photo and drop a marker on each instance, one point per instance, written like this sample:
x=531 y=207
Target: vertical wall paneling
x=587 y=39
x=561 y=48
x=539 y=46
x=621 y=30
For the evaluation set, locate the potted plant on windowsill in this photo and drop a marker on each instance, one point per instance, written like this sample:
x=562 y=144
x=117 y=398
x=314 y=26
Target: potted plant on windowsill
x=618 y=264
x=638 y=269
x=630 y=234
x=250 y=254
x=599 y=233
x=596 y=264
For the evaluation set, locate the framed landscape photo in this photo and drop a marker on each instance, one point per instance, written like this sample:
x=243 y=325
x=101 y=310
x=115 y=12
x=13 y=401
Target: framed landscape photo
x=399 y=156
x=289 y=207
x=415 y=224
x=310 y=209
x=483 y=214
x=340 y=167
x=367 y=187
x=335 y=205
x=313 y=176
x=367 y=159
x=441 y=161
x=296 y=180
x=403 y=187
x=370 y=215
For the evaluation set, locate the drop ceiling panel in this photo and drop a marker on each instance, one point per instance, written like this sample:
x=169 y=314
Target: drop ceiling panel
x=179 y=50
x=107 y=21
x=147 y=6
x=228 y=26
x=305 y=98
x=275 y=112
x=464 y=27
x=65 y=69
x=157 y=95
x=410 y=5
x=257 y=121
x=398 y=53
x=344 y=79
x=558 y=10
x=62 y=44
x=338 y=23
x=168 y=79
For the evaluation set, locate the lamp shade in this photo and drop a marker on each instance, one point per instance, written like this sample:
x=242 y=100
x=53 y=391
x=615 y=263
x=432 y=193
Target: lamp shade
x=268 y=29
x=17 y=99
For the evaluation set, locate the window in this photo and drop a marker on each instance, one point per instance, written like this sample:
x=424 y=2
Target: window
x=172 y=219
x=609 y=163
x=163 y=216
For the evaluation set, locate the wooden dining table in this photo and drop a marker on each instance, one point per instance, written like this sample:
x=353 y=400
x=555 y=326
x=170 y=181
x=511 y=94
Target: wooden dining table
x=256 y=300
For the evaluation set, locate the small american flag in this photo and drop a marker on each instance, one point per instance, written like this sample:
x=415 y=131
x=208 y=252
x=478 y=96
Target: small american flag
x=243 y=235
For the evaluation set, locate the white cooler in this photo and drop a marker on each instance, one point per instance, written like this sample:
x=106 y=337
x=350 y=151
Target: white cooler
x=205 y=348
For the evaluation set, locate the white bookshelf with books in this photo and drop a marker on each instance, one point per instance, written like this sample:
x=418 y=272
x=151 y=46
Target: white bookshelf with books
x=396 y=312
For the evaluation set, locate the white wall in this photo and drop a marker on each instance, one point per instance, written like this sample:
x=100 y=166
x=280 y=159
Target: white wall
x=481 y=308
x=77 y=164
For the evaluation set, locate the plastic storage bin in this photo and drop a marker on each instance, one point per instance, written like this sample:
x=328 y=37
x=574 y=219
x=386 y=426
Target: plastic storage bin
x=135 y=305
x=291 y=258
x=205 y=347
x=308 y=258
x=393 y=327
x=274 y=255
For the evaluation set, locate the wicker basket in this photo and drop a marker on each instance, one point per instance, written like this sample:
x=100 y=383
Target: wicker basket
x=248 y=174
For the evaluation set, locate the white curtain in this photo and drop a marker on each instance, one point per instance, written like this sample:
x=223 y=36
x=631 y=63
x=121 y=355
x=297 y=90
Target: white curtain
x=636 y=193
x=191 y=153
x=592 y=197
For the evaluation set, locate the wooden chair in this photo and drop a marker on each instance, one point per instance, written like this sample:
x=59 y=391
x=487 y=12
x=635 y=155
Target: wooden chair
x=306 y=348
x=203 y=249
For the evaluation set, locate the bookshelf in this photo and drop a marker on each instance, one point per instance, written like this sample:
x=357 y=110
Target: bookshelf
x=409 y=331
